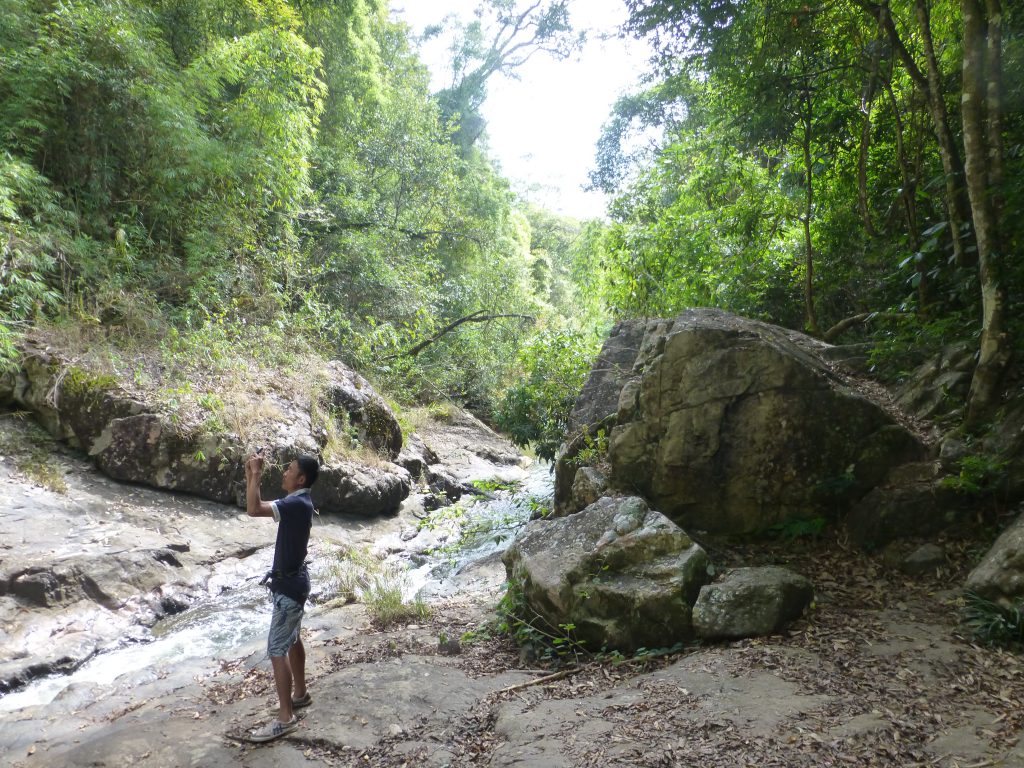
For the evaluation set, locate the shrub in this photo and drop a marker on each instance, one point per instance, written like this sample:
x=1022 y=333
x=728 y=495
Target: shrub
x=536 y=410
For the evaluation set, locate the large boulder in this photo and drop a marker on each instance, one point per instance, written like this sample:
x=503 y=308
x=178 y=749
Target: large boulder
x=999 y=577
x=734 y=426
x=416 y=456
x=750 y=602
x=598 y=402
x=362 y=490
x=610 y=372
x=1004 y=443
x=136 y=440
x=915 y=500
x=589 y=485
x=624 y=575
x=351 y=396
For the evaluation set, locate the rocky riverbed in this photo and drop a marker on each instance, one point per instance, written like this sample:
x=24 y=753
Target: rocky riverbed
x=877 y=674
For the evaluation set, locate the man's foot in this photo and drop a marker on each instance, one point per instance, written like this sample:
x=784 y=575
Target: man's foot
x=275 y=729
x=300 y=703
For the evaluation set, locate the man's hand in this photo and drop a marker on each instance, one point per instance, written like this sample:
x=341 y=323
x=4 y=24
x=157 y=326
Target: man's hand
x=254 y=505
x=254 y=466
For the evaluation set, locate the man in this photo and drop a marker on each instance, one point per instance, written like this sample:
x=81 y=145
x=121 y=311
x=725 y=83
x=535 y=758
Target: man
x=289 y=584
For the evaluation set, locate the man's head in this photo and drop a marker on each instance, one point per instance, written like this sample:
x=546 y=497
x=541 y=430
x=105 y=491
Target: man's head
x=301 y=473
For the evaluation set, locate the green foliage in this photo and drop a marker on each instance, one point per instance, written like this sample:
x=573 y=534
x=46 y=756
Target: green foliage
x=262 y=177
x=31 y=232
x=977 y=475
x=490 y=486
x=994 y=623
x=792 y=530
x=258 y=177
x=530 y=631
x=78 y=381
x=902 y=344
x=796 y=170
x=594 y=450
x=535 y=411
x=703 y=226
x=182 y=178
x=221 y=341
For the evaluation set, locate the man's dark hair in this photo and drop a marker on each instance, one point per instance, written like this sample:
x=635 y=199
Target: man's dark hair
x=309 y=467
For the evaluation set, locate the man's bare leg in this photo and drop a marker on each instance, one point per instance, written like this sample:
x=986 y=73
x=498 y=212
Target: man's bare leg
x=283 y=683
x=297 y=663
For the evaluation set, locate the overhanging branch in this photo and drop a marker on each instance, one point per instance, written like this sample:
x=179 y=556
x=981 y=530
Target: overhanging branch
x=480 y=316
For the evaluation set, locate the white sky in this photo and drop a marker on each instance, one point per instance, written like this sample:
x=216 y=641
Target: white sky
x=542 y=128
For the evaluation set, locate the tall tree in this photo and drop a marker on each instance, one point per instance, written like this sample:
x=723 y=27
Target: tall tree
x=931 y=82
x=501 y=38
x=916 y=48
x=983 y=149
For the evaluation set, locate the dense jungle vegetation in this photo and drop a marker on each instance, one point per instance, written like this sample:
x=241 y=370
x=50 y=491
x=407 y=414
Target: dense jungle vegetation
x=207 y=177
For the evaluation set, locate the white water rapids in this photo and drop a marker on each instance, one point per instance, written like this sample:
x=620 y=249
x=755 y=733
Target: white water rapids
x=235 y=614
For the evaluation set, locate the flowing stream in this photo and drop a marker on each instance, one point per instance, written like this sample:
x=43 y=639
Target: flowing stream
x=234 y=617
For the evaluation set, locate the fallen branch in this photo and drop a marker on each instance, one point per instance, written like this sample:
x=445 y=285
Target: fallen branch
x=863 y=317
x=541 y=680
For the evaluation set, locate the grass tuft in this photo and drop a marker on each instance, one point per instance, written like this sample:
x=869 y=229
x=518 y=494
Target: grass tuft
x=357 y=575
x=994 y=623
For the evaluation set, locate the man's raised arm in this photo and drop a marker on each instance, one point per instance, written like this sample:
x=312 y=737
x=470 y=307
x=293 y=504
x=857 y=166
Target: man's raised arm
x=254 y=504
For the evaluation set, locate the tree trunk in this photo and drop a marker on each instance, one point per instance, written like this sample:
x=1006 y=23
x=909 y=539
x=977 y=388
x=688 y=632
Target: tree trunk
x=952 y=165
x=862 y=174
x=982 y=73
x=957 y=207
x=480 y=316
x=811 y=314
x=866 y=103
x=908 y=195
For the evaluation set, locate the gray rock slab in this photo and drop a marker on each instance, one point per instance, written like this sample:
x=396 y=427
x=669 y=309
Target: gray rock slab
x=731 y=425
x=359 y=704
x=84 y=570
x=704 y=687
x=473 y=451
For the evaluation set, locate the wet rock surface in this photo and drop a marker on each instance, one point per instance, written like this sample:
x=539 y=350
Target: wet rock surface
x=87 y=569
x=878 y=673
x=81 y=570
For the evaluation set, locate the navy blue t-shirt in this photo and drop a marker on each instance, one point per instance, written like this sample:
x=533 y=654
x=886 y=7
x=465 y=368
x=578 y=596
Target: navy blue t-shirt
x=295 y=512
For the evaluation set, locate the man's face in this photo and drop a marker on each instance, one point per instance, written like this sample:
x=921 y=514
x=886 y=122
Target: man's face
x=293 y=479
